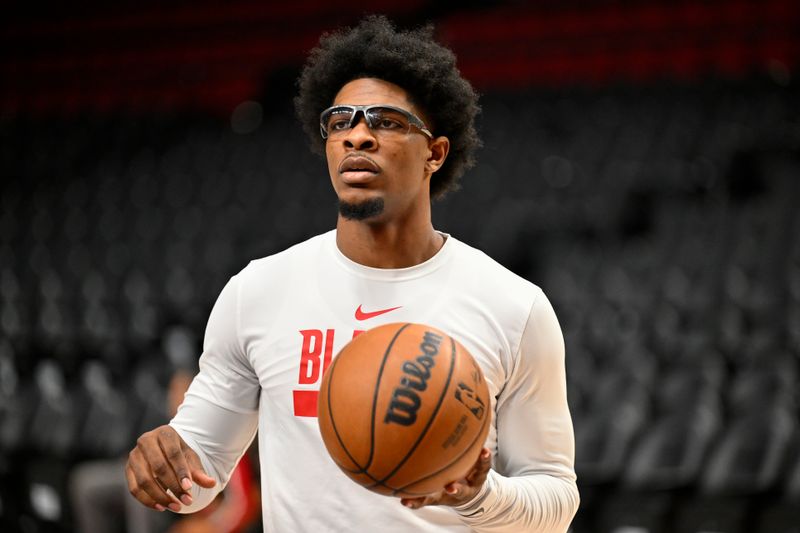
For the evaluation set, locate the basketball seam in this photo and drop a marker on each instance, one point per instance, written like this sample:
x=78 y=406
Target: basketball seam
x=362 y=470
x=375 y=399
x=432 y=418
x=333 y=421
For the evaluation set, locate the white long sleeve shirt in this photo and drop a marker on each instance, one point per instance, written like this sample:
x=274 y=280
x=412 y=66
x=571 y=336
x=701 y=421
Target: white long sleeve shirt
x=279 y=322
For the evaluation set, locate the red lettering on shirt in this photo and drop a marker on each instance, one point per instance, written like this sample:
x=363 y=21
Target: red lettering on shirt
x=328 y=350
x=310 y=352
x=309 y=356
x=316 y=354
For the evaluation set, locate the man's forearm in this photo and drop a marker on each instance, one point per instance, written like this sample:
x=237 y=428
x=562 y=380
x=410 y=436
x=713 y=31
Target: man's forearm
x=218 y=436
x=532 y=503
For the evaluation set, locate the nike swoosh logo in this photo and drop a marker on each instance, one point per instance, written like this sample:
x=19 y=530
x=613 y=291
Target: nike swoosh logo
x=475 y=513
x=363 y=315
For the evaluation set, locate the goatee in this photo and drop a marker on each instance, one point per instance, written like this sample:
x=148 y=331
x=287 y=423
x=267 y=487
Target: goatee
x=362 y=210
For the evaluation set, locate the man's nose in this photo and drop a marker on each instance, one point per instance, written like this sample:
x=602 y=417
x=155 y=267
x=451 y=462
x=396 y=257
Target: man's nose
x=360 y=137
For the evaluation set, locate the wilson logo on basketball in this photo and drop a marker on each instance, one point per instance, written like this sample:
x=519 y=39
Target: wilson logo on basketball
x=405 y=401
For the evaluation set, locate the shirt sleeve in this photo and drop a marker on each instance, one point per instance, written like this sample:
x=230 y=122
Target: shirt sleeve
x=218 y=418
x=532 y=486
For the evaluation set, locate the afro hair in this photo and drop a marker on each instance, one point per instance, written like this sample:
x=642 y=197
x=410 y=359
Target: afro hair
x=413 y=60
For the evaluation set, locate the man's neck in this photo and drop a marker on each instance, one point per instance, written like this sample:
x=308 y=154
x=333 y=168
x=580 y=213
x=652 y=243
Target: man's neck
x=390 y=245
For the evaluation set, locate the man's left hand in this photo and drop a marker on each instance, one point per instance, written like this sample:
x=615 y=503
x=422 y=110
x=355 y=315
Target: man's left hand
x=457 y=492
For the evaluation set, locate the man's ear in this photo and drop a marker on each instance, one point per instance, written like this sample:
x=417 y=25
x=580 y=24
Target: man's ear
x=439 y=148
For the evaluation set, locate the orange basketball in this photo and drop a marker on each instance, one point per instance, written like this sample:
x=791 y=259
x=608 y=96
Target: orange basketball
x=404 y=410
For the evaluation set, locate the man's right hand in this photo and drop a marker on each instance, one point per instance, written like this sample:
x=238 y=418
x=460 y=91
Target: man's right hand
x=161 y=460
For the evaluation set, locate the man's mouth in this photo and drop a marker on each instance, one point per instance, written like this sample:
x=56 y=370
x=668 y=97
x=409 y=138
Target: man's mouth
x=358 y=167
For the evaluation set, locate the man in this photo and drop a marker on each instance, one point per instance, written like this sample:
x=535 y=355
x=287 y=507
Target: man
x=395 y=121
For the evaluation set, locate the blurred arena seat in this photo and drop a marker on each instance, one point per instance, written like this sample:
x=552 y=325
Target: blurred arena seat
x=779 y=514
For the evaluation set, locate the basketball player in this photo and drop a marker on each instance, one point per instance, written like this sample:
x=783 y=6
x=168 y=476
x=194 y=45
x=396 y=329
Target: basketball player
x=395 y=121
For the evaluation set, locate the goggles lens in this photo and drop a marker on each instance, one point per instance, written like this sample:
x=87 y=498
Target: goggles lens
x=381 y=119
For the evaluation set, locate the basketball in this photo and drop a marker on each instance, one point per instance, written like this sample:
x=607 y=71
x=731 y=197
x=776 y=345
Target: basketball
x=404 y=410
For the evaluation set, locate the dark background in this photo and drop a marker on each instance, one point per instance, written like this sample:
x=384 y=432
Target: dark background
x=640 y=165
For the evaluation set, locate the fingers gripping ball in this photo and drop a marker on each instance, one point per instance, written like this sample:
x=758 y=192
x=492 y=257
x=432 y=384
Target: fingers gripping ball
x=404 y=410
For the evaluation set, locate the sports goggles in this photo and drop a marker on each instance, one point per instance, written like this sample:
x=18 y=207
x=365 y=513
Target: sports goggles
x=380 y=118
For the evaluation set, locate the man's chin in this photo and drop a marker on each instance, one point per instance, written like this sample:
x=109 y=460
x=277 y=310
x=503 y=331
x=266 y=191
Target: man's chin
x=363 y=210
